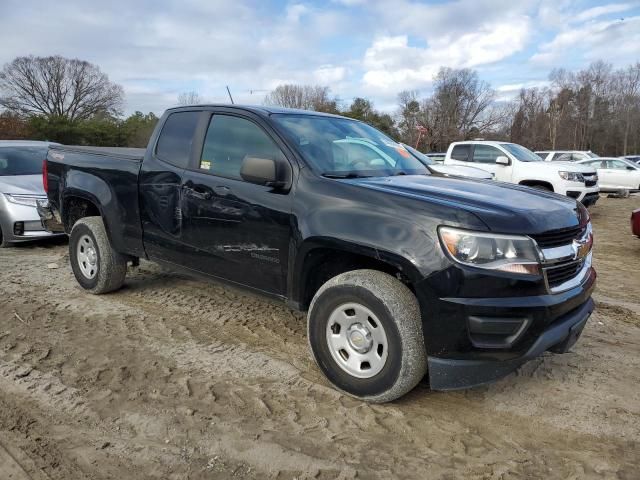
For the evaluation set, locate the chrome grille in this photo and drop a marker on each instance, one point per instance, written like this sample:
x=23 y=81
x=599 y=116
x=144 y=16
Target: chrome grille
x=556 y=238
x=562 y=272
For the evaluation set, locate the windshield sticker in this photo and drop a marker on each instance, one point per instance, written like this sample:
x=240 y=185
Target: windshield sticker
x=403 y=151
x=205 y=165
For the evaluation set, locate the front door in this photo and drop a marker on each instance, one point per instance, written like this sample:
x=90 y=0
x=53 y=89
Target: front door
x=484 y=157
x=233 y=229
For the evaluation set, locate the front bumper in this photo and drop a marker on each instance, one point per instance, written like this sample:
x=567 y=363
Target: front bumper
x=453 y=374
x=21 y=223
x=586 y=195
x=479 y=328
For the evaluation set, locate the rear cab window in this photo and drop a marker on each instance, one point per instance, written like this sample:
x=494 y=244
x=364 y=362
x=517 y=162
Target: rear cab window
x=461 y=152
x=485 y=154
x=176 y=138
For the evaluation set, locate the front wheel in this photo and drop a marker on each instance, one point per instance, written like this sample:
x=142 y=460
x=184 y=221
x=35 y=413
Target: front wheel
x=98 y=268
x=365 y=332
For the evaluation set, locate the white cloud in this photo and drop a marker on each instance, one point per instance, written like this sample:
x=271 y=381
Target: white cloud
x=329 y=74
x=601 y=10
x=392 y=63
x=616 y=41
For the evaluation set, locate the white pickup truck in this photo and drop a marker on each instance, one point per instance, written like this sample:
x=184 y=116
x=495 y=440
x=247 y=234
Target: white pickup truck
x=513 y=163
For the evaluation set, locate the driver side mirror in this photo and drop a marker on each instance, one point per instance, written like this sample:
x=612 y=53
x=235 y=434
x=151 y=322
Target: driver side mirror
x=264 y=171
x=629 y=167
x=502 y=160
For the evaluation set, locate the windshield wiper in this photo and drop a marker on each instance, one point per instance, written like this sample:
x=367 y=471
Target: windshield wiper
x=344 y=175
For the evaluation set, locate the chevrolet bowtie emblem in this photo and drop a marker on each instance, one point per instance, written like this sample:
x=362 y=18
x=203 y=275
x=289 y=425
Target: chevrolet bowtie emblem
x=581 y=248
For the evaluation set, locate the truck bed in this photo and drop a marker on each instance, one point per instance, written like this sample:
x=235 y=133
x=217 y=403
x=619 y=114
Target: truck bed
x=103 y=180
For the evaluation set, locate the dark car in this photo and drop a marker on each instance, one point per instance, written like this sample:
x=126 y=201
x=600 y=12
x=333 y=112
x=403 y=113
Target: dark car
x=635 y=222
x=402 y=273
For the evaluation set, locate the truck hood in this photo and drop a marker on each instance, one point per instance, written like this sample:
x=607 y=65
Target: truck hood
x=461 y=171
x=22 y=184
x=502 y=207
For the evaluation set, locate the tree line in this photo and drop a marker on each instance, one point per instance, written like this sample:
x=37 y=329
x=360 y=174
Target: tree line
x=598 y=108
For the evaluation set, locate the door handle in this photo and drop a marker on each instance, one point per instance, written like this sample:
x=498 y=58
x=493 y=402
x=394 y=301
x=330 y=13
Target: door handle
x=197 y=194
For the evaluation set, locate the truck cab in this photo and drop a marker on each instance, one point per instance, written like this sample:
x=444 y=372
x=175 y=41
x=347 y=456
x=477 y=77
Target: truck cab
x=513 y=163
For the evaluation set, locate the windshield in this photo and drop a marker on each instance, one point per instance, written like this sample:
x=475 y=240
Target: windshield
x=592 y=155
x=21 y=160
x=521 y=153
x=339 y=147
x=419 y=155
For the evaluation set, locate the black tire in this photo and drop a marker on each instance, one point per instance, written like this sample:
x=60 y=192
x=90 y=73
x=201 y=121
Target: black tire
x=542 y=187
x=3 y=244
x=395 y=309
x=110 y=266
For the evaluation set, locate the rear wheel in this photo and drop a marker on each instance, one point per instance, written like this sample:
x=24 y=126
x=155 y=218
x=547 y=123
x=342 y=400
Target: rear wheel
x=98 y=268
x=365 y=332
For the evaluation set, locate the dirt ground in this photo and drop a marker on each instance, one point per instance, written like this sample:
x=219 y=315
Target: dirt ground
x=172 y=378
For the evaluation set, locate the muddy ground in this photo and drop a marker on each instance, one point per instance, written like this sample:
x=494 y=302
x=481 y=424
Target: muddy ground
x=173 y=378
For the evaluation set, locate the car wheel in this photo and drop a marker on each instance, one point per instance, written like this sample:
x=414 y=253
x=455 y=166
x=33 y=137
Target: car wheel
x=542 y=187
x=98 y=268
x=3 y=242
x=365 y=332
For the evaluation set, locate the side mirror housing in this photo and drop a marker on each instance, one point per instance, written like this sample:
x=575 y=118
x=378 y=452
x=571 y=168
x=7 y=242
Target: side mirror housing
x=264 y=171
x=503 y=160
x=629 y=167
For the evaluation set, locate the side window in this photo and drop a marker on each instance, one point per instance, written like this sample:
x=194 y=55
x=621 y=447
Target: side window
x=563 y=157
x=229 y=140
x=617 y=164
x=486 y=154
x=578 y=156
x=176 y=137
x=461 y=152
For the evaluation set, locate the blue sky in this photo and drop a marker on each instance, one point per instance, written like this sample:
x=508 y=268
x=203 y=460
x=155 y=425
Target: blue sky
x=159 y=48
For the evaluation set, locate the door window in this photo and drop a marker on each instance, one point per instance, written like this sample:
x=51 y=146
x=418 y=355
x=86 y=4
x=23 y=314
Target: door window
x=616 y=164
x=229 y=140
x=486 y=154
x=176 y=137
x=461 y=152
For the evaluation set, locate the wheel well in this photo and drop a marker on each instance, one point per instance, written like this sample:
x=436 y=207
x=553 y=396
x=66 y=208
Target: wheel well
x=322 y=264
x=536 y=183
x=76 y=208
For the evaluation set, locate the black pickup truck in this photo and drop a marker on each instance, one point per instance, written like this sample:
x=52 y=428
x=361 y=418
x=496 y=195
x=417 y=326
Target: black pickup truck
x=402 y=272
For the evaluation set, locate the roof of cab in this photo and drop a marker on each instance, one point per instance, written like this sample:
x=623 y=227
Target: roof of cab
x=259 y=109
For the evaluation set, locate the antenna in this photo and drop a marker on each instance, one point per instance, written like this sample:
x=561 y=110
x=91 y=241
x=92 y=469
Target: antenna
x=229 y=92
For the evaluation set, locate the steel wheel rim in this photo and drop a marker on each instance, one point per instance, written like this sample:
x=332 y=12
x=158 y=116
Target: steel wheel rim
x=357 y=340
x=87 y=256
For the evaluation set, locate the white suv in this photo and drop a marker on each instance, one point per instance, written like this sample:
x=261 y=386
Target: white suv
x=513 y=163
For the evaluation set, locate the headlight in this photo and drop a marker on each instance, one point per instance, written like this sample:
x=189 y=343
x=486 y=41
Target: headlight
x=571 y=176
x=28 y=200
x=507 y=253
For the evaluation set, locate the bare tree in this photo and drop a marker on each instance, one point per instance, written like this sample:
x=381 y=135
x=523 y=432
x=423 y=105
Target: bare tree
x=58 y=86
x=189 y=98
x=627 y=99
x=305 y=97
